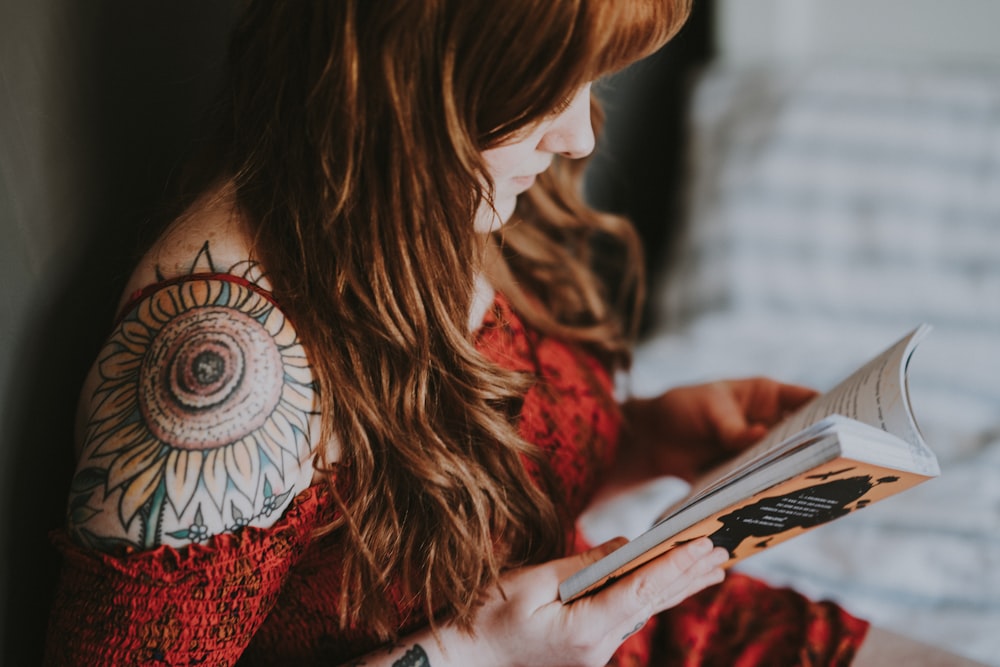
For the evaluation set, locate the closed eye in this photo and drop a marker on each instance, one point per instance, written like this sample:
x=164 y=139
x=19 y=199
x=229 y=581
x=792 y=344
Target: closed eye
x=564 y=104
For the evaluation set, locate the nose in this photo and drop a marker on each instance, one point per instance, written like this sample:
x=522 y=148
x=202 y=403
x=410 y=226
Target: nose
x=571 y=132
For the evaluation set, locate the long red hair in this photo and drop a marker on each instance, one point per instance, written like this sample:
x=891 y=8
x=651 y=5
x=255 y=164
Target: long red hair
x=353 y=130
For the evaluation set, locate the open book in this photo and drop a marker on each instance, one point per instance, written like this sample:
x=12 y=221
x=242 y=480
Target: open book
x=842 y=451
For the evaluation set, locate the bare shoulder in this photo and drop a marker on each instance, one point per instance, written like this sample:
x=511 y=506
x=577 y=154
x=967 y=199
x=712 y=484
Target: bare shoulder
x=199 y=415
x=207 y=238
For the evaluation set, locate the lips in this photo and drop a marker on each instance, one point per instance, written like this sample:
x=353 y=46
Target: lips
x=524 y=182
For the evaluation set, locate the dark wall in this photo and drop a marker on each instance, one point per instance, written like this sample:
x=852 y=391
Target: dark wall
x=639 y=166
x=98 y=100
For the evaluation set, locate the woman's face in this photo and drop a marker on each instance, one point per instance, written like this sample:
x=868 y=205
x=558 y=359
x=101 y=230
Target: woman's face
x=514 y=164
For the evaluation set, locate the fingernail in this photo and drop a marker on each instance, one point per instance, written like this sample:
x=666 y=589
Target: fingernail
x=615 y=542
x=701 y=547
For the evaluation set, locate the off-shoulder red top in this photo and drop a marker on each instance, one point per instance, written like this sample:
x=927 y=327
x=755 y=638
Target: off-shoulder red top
x=272 y=596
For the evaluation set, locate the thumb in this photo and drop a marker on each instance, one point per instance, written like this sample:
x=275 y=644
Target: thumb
x=729 y=421
x=751 y=434
x=601 y=550
x=576 y=562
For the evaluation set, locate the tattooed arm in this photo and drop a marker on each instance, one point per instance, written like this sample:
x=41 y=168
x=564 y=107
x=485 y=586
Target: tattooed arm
x=197 y=420
x=198 y=416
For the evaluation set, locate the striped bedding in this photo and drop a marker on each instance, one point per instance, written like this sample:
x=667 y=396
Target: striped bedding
x=832 y=208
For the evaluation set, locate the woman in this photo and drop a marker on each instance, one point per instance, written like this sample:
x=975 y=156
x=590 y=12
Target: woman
x=360 y=386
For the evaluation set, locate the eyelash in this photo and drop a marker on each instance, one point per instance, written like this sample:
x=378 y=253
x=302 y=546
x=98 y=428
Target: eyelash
x=563 y=105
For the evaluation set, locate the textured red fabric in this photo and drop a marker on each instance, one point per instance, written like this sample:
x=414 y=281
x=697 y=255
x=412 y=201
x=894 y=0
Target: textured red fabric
x=744 y=623
x=196 y=606
x=272 y=597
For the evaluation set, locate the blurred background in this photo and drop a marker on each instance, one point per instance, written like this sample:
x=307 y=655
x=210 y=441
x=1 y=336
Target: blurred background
x=834 y=182
x=99 y=101
x=812 y=178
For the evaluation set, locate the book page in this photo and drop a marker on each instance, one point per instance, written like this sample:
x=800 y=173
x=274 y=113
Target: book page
x=875 y=394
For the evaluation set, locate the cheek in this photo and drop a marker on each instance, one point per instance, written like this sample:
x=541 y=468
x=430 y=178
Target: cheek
x=505 y=164
x=507 y=161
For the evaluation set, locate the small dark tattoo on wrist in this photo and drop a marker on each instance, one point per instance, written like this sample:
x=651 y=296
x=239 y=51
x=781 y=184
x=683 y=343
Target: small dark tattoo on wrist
x=638 y=626
x=415 y=657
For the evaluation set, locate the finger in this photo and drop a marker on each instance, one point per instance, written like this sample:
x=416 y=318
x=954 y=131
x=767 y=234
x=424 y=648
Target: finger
x=564 y=567
x=622 y=608
x=728 y=416
x=701 y=574
x=792 y=396
x=654 y=586
x=767 y=401
x=697 y=583
x=741 y=420
x=664 y=583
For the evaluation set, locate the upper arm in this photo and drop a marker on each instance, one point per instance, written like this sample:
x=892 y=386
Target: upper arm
x=199 y=418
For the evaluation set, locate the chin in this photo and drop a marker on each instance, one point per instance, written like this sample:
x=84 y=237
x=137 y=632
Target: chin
x=491 y=219
x=505 y=209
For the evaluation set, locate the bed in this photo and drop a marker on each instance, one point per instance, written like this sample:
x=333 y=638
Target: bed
x=831 y=206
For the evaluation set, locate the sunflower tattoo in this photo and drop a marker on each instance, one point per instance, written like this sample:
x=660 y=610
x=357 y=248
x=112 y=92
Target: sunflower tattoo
x=204 y=404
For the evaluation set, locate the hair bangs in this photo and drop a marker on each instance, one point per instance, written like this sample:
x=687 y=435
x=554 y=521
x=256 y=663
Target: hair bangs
x=623 y=32
x=577 y=41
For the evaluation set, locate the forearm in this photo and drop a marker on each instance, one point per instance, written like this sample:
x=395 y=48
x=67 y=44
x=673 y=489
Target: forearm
x=405 y=654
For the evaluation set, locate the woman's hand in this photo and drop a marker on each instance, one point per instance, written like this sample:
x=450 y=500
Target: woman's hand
x=532 y=627
x=689 y=429
x=525 y=623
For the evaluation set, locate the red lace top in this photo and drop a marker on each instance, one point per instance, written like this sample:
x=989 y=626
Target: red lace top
x=271 y=597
